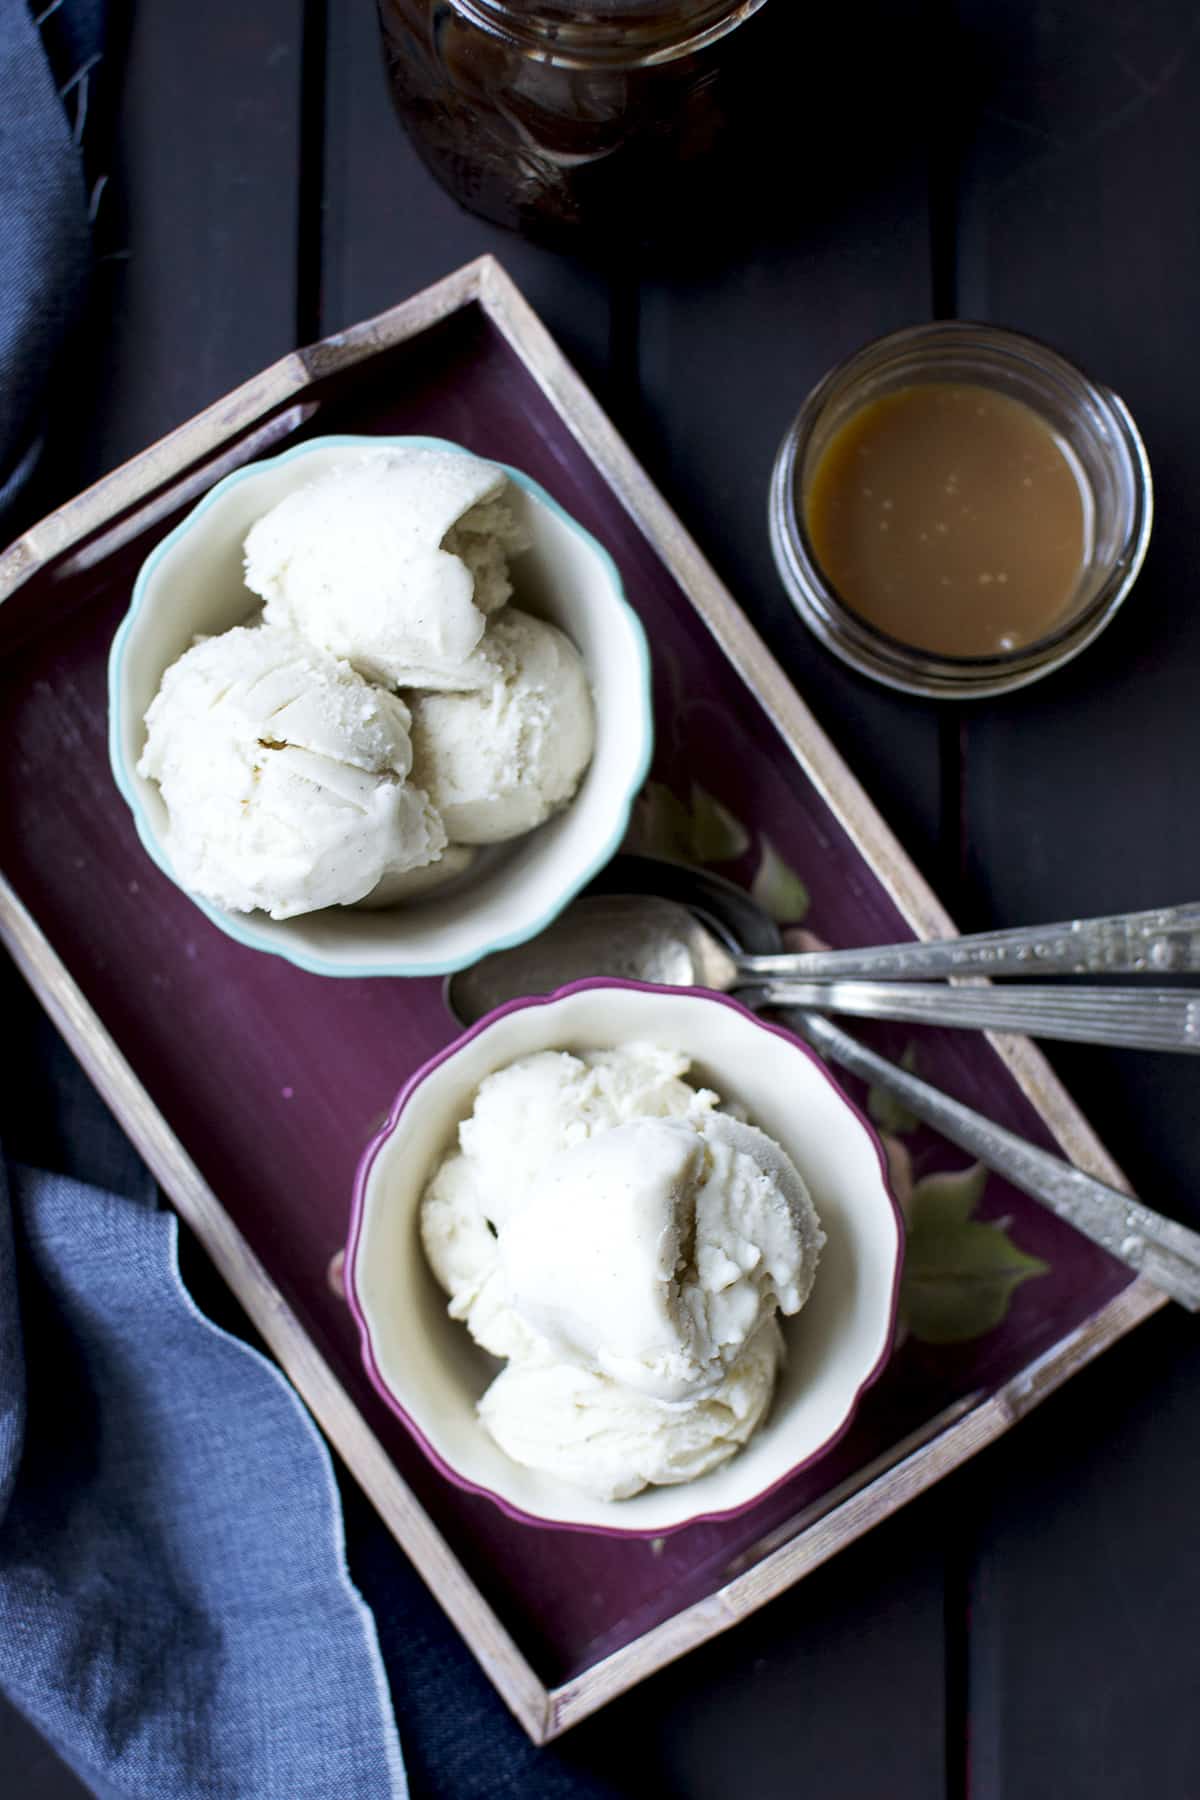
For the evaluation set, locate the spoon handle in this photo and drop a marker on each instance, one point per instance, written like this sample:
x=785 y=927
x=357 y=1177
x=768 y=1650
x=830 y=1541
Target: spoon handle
x=1155 y=943
x=1166 y=1252
x=1150 y=1018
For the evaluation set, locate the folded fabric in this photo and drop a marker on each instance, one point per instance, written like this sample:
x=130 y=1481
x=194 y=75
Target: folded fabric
x=175 y=1612
x=43 y=212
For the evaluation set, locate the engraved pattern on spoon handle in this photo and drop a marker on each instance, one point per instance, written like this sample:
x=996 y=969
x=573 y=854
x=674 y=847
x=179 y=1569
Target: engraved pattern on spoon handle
x=1160 y=942
x=1135 y=1018
x=1158 y=1247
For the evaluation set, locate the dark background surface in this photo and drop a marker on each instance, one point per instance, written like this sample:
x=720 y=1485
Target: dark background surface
x=1028 y=1629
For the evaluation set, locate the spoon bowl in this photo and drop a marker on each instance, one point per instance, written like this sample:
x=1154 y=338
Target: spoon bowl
x=622 y=937
x=642 y=919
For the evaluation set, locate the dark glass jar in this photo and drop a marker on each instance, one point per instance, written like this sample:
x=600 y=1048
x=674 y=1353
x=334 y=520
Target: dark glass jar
x=556 y=119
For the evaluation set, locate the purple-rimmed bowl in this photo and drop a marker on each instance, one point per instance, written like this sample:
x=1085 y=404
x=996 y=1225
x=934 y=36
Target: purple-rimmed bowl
x=431 y=1373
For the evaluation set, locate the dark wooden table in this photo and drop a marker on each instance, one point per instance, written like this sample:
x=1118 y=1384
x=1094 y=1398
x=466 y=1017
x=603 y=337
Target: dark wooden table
x=1026 y=1631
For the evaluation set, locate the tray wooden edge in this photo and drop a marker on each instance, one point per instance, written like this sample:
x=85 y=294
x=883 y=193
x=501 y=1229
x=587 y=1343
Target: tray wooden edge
x=871 y=1494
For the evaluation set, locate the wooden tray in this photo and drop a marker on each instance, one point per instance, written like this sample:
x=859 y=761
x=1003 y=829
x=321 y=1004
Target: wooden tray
x=250 y=1087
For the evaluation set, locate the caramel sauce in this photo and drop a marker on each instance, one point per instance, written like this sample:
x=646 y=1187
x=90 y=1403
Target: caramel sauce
x=948 y=516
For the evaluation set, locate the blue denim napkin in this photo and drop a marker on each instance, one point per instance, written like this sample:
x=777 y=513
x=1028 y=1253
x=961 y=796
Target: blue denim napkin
x=175 y=1611
x=43 y=213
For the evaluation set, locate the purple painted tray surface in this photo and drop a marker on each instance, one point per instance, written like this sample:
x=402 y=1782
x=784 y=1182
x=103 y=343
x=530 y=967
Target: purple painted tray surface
x=274 y=1080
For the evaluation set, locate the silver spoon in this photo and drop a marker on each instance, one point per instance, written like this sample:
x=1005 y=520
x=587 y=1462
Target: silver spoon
x=1144 y=1240
x=1162 y=942
x=632 y=942
x=1150 y=1018
x=661 y=938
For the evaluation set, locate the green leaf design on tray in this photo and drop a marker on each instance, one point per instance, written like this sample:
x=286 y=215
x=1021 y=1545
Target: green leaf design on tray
x=703 y=831
x=661 y=824
x=777 y=887
x=717 y=836
x=960 y=1272
x=889 y=1113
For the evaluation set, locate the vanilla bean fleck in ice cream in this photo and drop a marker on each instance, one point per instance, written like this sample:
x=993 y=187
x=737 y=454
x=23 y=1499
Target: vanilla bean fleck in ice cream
x=627 y=1245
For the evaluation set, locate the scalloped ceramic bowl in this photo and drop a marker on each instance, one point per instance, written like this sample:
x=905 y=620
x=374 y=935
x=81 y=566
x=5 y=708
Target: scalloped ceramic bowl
x=430 y=1371
x=192 y=582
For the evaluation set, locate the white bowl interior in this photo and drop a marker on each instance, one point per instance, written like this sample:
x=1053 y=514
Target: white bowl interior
x=437 y=1373
x=195 y=586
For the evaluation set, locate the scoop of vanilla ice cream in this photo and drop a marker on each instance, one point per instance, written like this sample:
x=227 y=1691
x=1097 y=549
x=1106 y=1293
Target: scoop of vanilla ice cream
x=627 y=1246
x=509 y=749
x=611 y=1440
x=540 y=1104
x=654 y=1252
x=522 y=1115
x=284 y=775
x=594 y=1258
x=392 y=560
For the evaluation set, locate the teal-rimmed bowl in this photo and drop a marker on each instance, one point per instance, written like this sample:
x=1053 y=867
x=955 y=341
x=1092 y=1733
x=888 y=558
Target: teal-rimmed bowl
x=192 y=583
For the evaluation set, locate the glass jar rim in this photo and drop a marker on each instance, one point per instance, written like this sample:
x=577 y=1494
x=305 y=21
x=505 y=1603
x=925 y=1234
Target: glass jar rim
x=890 y=660
x=613 y=33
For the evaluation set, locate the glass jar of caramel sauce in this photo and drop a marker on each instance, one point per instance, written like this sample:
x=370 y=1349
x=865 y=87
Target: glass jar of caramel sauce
x=558 y=120
x=957 y=510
